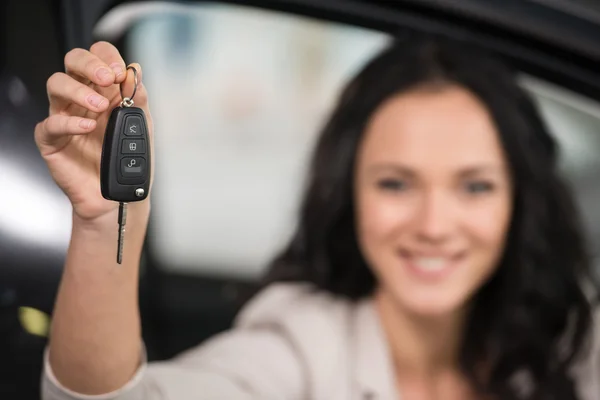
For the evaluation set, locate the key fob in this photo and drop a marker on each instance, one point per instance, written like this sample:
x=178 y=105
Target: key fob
x=125 y=162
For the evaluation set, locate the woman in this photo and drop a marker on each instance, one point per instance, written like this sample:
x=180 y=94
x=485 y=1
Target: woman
x=438 y=252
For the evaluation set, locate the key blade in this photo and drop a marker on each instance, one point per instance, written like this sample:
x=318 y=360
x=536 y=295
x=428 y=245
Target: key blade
x=122 y=221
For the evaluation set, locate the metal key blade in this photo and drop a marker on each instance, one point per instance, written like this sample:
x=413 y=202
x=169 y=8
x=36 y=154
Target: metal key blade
x=122 y=221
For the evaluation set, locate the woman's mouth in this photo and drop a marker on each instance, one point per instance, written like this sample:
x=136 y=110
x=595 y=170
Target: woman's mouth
x=430 y=267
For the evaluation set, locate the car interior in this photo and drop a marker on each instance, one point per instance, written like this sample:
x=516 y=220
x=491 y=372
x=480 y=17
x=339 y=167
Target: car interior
x=238 y=93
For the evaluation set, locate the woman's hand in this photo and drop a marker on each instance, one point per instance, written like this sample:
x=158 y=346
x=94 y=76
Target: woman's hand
x=70 y=139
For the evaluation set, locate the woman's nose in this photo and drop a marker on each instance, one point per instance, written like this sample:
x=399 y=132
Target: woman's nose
x=434 y=217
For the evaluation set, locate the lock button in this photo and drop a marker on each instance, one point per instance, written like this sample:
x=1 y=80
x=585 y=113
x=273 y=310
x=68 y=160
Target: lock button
x=133 y=126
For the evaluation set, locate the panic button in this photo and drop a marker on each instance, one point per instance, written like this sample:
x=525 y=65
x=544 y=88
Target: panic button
x=133 y=167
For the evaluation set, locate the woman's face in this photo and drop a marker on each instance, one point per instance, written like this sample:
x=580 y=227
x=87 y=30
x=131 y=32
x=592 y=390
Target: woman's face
x=433 y=198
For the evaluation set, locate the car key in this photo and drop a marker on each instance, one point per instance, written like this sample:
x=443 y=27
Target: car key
x=125 y=161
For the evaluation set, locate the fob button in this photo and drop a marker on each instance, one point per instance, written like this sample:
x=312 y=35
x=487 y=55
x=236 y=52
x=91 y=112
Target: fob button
x=133 y=167
x=133 y=126
x=133 y=146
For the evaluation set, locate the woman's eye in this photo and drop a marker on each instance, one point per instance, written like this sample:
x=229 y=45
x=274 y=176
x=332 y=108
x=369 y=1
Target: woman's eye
x=479 y=187
x=392 y=184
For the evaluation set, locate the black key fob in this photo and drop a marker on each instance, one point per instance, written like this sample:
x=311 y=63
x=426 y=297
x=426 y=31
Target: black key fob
x=125 y=162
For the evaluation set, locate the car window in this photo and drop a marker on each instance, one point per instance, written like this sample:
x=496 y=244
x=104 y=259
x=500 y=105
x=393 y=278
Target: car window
x=575 y=122
x=238 y=95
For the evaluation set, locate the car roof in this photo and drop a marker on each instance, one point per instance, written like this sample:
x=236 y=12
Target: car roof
x=572 y=24
x=557 y=40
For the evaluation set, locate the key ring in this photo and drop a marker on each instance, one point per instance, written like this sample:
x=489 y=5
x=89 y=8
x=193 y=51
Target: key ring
x=128 y=101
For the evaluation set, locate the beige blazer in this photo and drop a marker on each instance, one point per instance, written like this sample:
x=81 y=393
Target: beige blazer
x=289 y=343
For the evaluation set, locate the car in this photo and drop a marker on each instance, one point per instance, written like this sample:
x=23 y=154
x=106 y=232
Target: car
x=239 y=91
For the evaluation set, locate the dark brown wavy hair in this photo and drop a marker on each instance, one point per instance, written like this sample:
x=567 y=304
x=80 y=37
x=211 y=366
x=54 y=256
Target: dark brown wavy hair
x=535 y=297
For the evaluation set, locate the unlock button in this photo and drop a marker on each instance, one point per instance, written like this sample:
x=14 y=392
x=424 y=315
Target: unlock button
x=133 y=167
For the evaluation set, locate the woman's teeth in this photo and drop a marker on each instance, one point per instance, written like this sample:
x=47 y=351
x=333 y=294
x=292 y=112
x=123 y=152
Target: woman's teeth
x=430 y=263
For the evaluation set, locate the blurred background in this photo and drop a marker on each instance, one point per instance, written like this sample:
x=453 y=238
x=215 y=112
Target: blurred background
x=239 y=93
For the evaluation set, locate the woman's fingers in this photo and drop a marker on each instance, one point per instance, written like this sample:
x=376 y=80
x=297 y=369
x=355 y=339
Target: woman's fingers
x=110 y=55
x=83 y=64
x=57 y=128
x=64 y=90
x=68 y=125
x=102 y=65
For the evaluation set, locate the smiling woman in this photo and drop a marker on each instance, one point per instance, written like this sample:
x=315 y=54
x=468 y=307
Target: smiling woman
x=435 y=189
x=433 y=197
x=438 y=253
